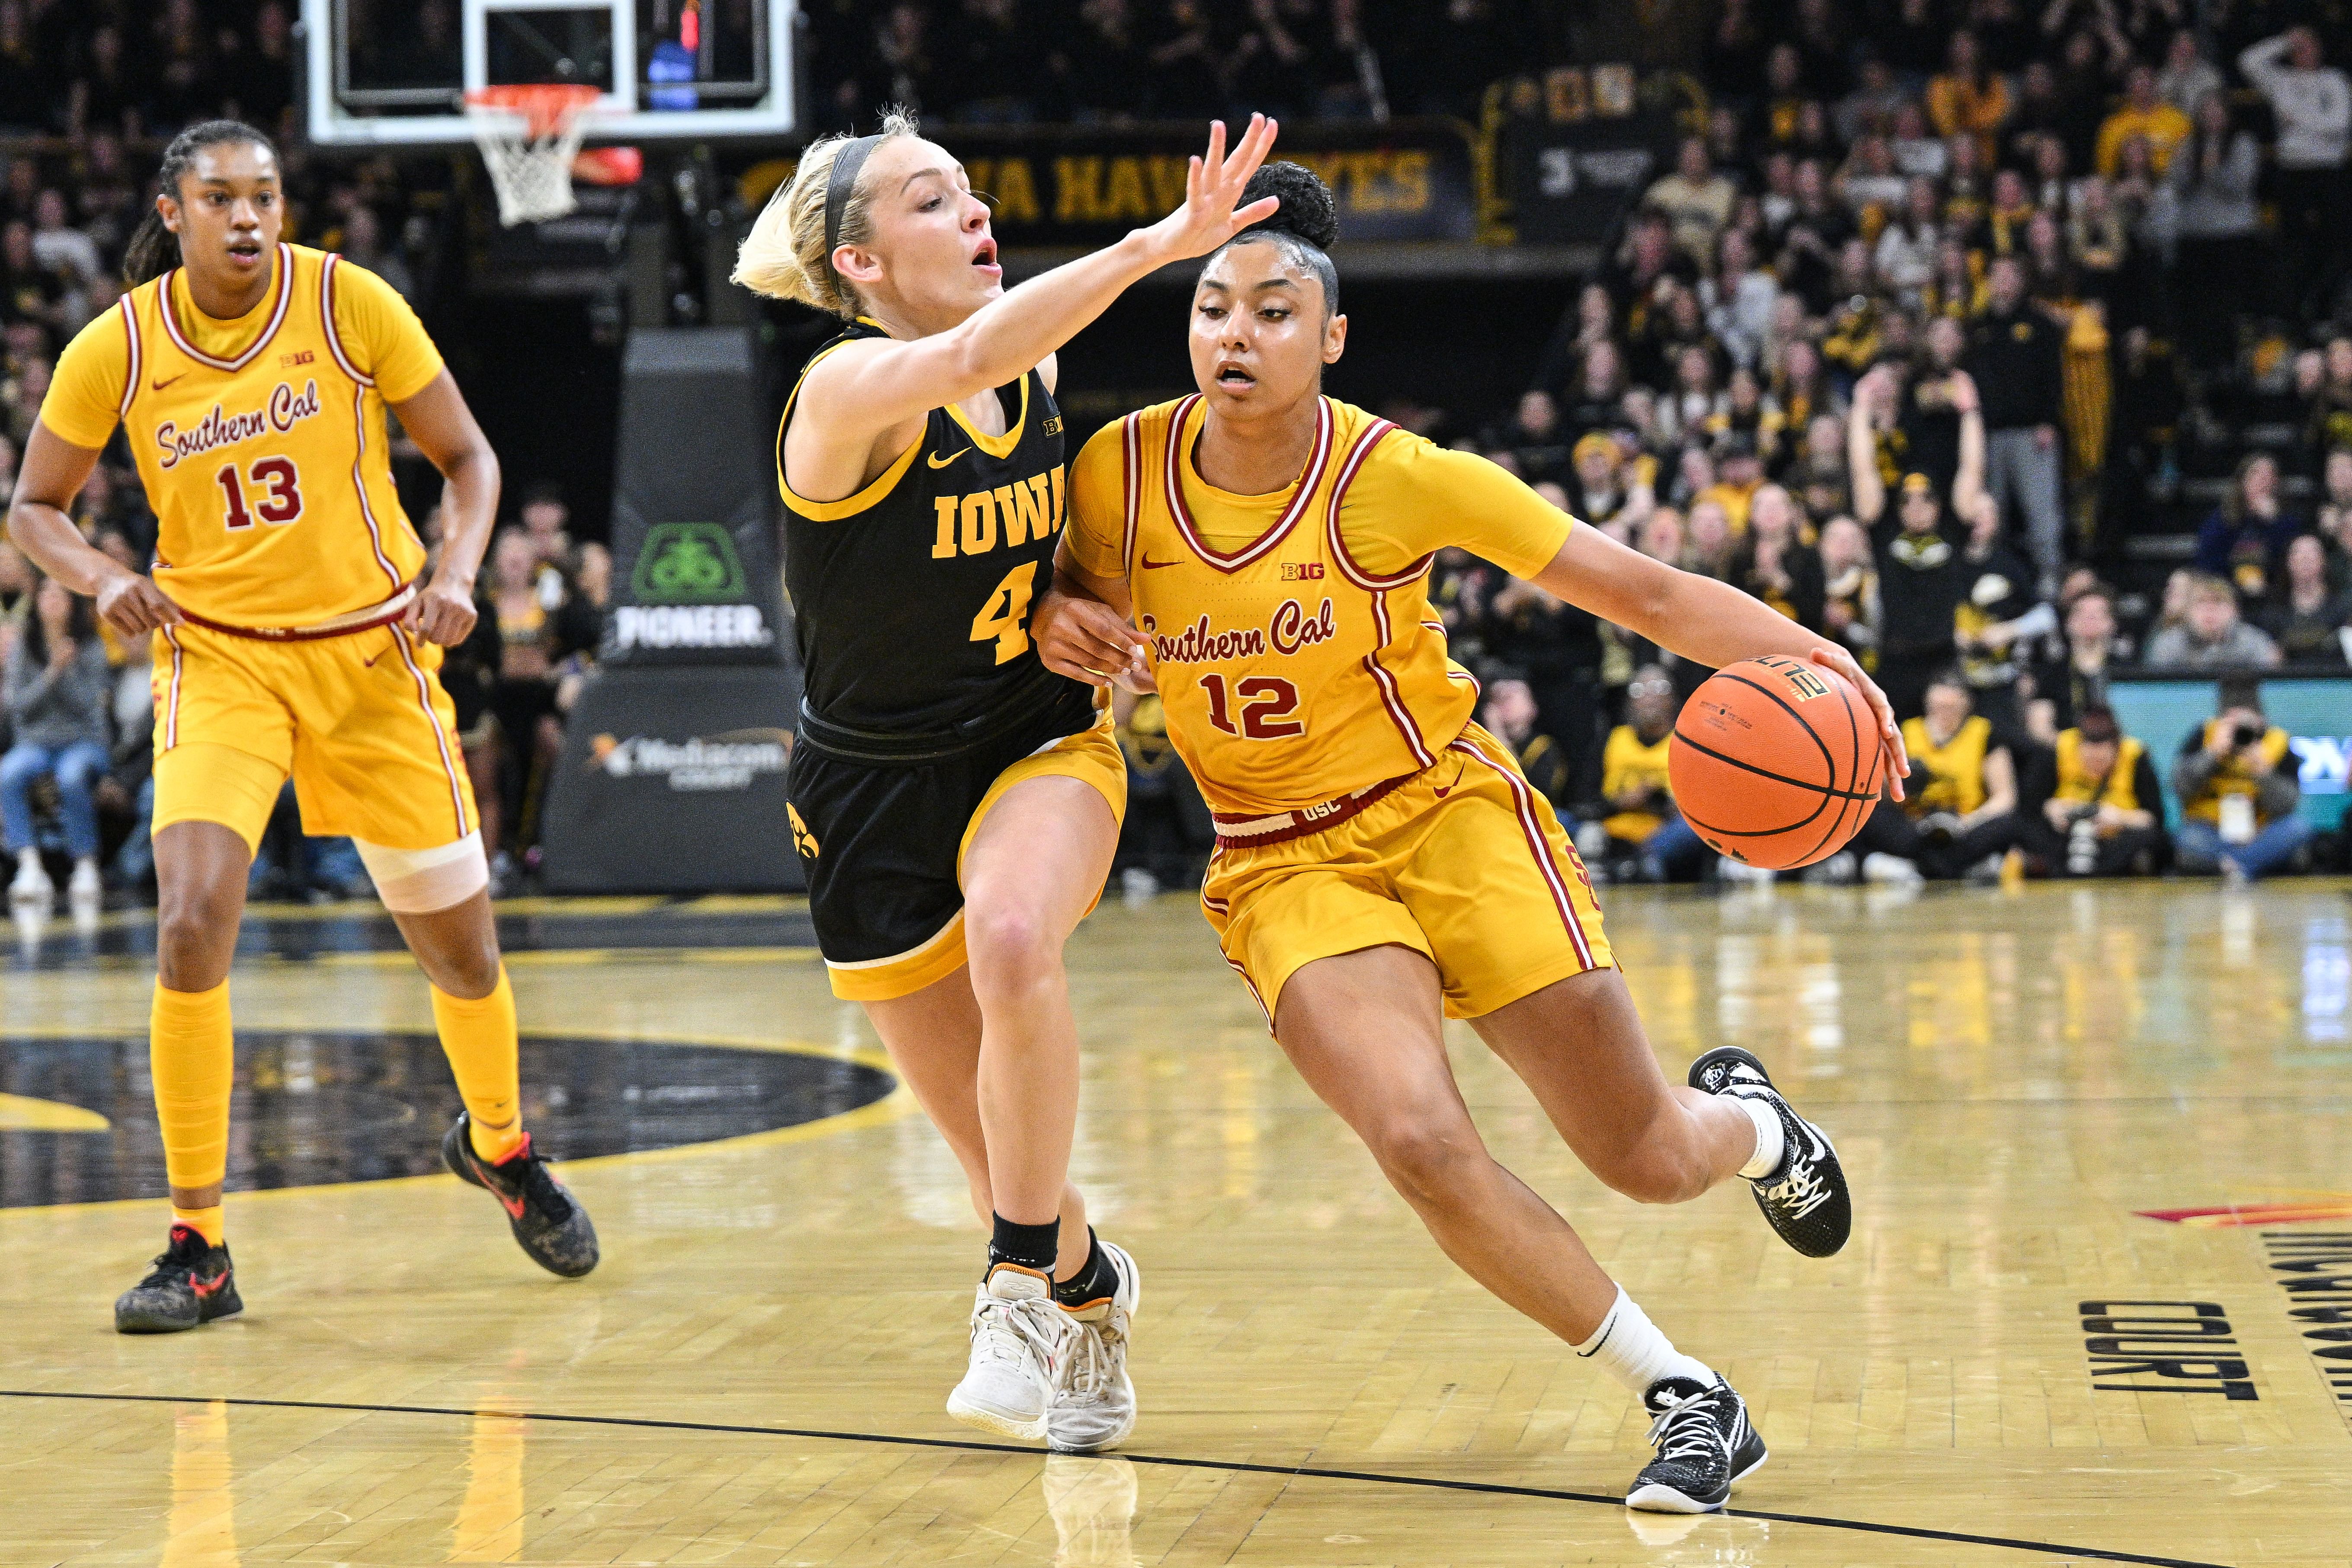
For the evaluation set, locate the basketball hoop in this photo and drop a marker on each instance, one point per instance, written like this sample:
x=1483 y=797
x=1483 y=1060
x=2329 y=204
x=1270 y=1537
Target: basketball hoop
x=529 y=134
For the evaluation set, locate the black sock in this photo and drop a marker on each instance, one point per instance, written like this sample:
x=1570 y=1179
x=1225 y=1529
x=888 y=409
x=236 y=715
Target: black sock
x=1095 y=1280
x=1030 y=1246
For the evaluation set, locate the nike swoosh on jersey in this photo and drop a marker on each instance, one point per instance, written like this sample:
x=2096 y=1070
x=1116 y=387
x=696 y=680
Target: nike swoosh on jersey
x=1151 y=565
x=160 y=385
x=938 y=462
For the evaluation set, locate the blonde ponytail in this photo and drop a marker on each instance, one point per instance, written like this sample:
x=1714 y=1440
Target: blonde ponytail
x=784 y=257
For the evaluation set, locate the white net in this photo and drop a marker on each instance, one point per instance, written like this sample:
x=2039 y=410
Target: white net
x=528 y=146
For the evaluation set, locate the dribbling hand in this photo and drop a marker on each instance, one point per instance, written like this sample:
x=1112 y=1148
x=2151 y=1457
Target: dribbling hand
x=1899 y=760
x=131 y=603
x=1213 y=183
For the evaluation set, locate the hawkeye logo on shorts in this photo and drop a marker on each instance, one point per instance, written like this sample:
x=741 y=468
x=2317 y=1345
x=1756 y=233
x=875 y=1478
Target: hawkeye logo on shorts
x=803 y=841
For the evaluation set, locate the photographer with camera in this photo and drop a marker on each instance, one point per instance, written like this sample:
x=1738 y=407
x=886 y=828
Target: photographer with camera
x=2092 y=803
x=2237 y=805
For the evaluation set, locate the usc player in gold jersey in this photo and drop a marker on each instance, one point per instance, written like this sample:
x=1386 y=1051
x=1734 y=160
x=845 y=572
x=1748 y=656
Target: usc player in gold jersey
x=295 y=634
x=1381 y=862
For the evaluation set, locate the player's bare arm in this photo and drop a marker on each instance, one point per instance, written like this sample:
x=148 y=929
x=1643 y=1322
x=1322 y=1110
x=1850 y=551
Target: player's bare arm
x=863 y=403
x=1709 y=623
x=1083 y=626
x=53 y=473
x=445 y=430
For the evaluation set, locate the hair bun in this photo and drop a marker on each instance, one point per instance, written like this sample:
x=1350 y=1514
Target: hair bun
x=1308 y=209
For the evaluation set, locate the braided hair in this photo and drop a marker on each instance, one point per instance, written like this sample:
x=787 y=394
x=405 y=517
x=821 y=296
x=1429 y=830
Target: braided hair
x=154 y=250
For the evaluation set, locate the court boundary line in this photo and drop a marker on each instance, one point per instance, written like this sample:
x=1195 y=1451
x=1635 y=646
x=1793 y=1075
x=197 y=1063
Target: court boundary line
x=1239 y=1466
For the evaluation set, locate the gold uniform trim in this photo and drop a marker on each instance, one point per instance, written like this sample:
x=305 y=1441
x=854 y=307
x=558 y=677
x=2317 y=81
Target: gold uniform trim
x=848 y=506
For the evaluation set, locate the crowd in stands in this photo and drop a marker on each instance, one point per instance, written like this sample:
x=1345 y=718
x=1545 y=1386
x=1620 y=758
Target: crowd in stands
x=1107 y=62
x=1903 y=341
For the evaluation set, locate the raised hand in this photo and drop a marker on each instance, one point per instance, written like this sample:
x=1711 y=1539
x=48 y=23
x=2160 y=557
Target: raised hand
x=1213 y=181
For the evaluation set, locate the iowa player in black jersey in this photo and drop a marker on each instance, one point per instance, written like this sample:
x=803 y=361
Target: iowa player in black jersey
x=955 y=803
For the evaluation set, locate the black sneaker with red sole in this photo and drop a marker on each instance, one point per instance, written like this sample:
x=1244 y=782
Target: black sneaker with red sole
x=548 y=1222
x=193 y=1282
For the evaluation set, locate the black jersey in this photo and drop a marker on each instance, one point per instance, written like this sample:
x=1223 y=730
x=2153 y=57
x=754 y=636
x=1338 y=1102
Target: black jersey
x=912 y=598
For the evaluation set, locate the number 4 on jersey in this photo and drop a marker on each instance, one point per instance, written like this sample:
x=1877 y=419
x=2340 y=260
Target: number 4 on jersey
x=1004 y=614
x=279 y=477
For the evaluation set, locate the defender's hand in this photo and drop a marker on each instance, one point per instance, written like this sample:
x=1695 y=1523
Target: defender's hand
x=1087 y=640
x=1899 y=760
x=1213 y=183
x=443 y=614
x=132 y=604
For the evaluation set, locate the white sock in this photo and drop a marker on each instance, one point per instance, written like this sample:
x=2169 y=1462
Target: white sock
x=1630 y=1349
x=28 y=859
x=1772 y=1141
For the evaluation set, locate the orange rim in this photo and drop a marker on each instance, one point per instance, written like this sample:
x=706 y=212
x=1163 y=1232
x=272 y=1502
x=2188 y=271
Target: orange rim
x=546 y=107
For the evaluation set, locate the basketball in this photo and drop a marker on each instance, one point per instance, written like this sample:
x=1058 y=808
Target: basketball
x=1776 y=763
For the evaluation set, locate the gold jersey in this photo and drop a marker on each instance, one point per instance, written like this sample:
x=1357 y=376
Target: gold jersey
x=260 y=441
x=1295 y=653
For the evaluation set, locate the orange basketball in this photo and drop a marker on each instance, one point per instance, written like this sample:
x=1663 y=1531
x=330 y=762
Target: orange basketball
x=1776 y=761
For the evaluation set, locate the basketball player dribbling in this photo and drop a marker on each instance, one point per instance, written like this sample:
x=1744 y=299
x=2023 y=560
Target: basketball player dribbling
x=1381 y=862
x=295 y=634
x=956 y=804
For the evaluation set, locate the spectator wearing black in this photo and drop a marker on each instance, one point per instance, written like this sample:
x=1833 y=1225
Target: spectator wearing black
x=1776 y=563
x=1922 y=574
x=2312 y=104
x=2243 y=541
x=2091 y=804
x=1996 y=621
x=2220 y=259
x=2240 y=801
x=2014 y=357
x=2310 y=620
x=2078 y=681
x=1559 y=647
x=1507 y=710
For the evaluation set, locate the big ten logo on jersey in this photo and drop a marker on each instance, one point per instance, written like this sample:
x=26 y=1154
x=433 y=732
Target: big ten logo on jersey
x=1301 y=571
x=281 y=412
x=1022 y=512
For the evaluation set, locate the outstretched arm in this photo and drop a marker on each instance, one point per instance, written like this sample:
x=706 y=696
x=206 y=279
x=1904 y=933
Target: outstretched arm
x=854 y=395
x=1862 y=455
x=1709 y=623
x=1968 y=484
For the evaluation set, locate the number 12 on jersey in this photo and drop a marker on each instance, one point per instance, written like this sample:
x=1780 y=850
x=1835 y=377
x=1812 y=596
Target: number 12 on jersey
x=1267 y=703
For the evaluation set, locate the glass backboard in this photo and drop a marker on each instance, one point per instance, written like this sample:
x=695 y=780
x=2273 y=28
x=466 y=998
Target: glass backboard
x=390 y=72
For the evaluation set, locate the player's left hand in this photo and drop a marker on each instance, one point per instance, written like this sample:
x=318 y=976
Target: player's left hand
x=443 y=614
x=1899 y=760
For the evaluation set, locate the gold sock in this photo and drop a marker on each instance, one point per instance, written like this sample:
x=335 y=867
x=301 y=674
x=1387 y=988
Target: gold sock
x=205 y=1223
x=479 y=1037
x=191 y=1058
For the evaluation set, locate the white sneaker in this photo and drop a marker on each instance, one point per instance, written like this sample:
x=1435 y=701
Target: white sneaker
x=1741 y=872
x=1096 y=1408
x=1021 y=1349
x=1093 y=1505
x=1880 y=866
x=1838 y=871
x=84 y=891
x=32 y=892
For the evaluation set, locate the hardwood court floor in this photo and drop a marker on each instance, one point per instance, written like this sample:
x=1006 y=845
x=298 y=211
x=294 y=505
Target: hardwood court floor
x=755 y=1374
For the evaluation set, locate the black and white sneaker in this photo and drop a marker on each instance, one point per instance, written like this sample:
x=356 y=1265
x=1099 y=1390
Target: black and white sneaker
x=1705 y=1443
x=1805 y=1198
